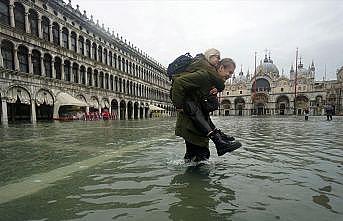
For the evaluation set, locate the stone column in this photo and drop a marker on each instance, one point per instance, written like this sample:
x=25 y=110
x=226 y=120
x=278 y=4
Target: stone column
x=53 y=68
x=71 y=72
x=60 y=36
x=90 y=49
x=16 y=61
x=143 y=112
x=79 y=74
x=87 y=109
x=62 y=69
x=118 y=114
x=110 y=109
x=1 y=58
x=30 y=62
x=42 y=69
x=33 y=112
x=50 y=32
x=40 y=31
x=126 y=112
x=77 y=43
x=86 y=76
x=12 y=14
x=27 y=23
x=4 y=117
x=69 y=40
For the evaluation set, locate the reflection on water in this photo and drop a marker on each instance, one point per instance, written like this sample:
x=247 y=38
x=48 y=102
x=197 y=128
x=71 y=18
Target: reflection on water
x=288 y=169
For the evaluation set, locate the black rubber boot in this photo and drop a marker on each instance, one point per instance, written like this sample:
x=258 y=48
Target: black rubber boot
x=225 y=137
x=223 y=146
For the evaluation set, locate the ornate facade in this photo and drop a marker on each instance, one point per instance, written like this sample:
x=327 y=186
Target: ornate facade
x=271 y=93
x=54 y=56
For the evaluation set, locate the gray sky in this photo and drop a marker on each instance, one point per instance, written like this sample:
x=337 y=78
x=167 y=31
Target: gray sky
x=166 y=29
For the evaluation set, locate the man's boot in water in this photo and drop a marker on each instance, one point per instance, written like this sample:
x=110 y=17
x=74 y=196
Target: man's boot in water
x=223 y=146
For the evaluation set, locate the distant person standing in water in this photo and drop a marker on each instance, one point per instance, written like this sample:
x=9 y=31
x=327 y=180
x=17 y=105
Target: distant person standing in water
x=329 y=112
x=306 y=113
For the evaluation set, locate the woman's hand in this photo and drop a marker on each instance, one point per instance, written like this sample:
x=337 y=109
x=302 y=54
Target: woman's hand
x=213 y=91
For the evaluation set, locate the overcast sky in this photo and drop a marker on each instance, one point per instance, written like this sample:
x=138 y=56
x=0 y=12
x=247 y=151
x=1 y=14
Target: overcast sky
x=166 y=29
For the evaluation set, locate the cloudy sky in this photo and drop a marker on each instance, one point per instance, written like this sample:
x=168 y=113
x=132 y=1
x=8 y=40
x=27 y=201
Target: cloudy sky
x=165 y=29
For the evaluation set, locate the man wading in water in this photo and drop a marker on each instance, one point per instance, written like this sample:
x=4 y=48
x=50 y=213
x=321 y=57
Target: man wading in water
x=190 y=94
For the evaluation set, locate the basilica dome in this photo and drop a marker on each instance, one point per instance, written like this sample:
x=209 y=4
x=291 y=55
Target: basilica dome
x=267 y=67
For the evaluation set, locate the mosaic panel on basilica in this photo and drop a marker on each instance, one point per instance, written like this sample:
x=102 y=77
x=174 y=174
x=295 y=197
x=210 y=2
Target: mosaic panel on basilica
x=270 y=92
x=56 y=59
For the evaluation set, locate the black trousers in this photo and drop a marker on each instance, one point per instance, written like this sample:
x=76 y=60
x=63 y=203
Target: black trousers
x=196 y=153
x=200 y=119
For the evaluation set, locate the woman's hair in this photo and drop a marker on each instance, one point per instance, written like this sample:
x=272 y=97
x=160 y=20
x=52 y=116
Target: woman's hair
x=225 y=62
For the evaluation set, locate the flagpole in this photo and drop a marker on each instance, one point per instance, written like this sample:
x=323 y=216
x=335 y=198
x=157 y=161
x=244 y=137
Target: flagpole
x=295 y=81
x=254 y=94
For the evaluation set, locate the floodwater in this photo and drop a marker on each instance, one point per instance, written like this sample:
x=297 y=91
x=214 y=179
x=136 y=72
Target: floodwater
x=287 y=169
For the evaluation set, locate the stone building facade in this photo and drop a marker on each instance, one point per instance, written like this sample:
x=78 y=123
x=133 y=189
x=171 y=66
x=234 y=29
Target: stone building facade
x=271 y=93
x=55 y=56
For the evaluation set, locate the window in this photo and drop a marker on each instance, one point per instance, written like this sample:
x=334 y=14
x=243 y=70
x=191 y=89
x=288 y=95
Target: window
x=65 y=35
x=105 y=56
x=75 y=73
x=45 y=28
x=67 y=70
x=58 y=69
x=4 y=12
x=106 y=81
x=7 y=55
x=33 y=18
x=23 y=59
x=95 y=78
x=83 y=75
x=101 y=80
x=56 y=33
x=19 y=16
x=100 y=53
x=47 y=65
x=88 y=48
x=73 y=42
x=81 y=45
x=282 y=89
x=36 y=62
x=89 y=76
x=111 y=59
x=227 y=93
x=94 y=50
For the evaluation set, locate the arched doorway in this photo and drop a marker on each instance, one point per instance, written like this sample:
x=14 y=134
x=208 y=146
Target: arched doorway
x=225 y=106
x=129 y=110
x=18 y=105
x=135 y=110
x=94 y=105
x=239 y=106
x=301 y=104
x=282 y=105
x=44 y=105
x=259 y=104
x=114 y=108
x=105 y=105
x=122 y=109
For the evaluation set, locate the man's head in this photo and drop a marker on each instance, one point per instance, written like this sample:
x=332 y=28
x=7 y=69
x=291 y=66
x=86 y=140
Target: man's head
x=212 y=56
x=226 y=68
